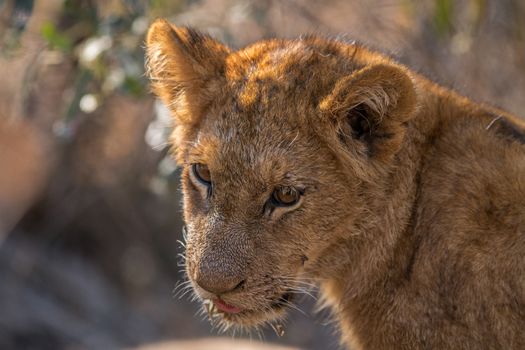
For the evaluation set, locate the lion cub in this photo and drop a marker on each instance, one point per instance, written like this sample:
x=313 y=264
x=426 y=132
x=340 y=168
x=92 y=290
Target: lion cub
x=316 y=161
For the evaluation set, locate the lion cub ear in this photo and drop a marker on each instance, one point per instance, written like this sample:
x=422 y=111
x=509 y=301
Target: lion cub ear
x=370 y=107
x=185 y=68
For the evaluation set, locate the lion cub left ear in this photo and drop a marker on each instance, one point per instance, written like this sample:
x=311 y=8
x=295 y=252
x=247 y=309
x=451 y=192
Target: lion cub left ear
x=370 y=107
x=185 y=67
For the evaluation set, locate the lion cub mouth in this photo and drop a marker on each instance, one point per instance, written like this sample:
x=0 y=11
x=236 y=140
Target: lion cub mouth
x=228 y=309
x=223 y=306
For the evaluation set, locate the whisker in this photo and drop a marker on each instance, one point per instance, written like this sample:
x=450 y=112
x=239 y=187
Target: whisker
x=302 y=292
x=180 y=286
x=186 y=290
x=184 y=234
x=183 y=244
x=293 y=307
x=260 y=334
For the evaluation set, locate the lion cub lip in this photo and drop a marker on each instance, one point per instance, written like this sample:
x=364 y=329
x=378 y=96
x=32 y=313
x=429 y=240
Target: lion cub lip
x=225 y=307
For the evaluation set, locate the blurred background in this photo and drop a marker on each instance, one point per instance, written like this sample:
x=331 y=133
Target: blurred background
x=89 y=202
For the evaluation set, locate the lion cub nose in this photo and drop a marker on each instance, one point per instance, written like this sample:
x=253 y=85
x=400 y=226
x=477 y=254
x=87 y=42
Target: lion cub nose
x=218 y=279
x=218 y=286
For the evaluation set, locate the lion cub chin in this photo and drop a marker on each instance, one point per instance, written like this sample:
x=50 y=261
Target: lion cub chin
x=314 y=162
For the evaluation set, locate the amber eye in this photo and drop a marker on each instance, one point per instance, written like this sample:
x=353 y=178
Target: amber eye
x=285 y=196
x=202 y=173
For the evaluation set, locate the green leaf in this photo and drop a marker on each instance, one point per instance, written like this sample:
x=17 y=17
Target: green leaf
x=54 y=38
x=443 y=16
x=133 y=86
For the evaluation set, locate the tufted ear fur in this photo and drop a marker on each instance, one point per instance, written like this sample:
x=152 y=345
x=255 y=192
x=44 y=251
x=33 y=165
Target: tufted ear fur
x=370 y=107
x=185 y=68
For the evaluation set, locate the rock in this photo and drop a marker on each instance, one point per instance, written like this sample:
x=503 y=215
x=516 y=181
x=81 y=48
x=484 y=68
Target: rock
x=212 y=344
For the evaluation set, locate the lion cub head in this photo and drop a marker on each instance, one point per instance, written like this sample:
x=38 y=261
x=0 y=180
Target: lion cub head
x=280 y=144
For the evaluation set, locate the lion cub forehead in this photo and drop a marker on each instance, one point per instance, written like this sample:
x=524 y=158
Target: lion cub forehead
x=282 y=69
x=237 y=146
x=266 y=58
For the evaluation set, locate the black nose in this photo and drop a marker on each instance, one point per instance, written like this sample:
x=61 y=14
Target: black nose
x=217 y=277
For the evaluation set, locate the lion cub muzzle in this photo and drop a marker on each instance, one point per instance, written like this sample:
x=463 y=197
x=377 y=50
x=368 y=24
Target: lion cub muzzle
x=217 y=276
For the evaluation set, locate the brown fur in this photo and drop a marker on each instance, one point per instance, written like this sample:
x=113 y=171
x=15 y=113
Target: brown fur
x=412 y=218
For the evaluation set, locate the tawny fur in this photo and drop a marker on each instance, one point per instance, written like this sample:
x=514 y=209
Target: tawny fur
x=412 y=221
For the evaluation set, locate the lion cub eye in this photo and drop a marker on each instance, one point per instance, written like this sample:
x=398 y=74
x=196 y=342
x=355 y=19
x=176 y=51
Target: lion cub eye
x=202 y=173
x=285 y=196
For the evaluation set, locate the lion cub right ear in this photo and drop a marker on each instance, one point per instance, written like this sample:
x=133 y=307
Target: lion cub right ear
x=370 y=108
x=185 y=68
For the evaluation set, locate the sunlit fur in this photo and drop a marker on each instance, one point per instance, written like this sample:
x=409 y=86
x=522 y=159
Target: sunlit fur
x=412 y=220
